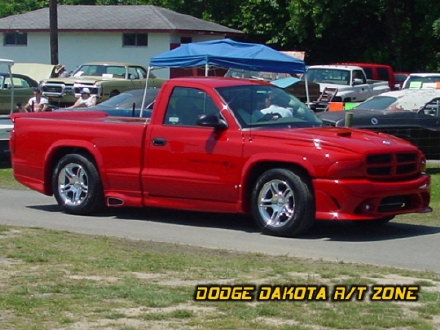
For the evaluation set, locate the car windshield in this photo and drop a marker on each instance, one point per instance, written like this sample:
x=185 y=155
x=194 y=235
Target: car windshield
x=126 y=100
x=422 y=81
x=329 y=76
x=377 y=103
x=267 y=106
x=109 y=71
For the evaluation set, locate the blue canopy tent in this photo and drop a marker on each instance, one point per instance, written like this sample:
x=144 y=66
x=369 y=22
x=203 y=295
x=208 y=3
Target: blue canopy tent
x=227 y=53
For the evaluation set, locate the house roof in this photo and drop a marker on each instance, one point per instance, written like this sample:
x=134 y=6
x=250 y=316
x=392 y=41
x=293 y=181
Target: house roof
x=110 y=18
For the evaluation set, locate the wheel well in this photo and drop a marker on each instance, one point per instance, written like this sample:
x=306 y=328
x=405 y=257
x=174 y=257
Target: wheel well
x=259 y=169
x=114 y=93
x=53 y=161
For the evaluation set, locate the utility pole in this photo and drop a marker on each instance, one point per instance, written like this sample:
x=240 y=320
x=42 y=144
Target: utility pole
x=53 y=18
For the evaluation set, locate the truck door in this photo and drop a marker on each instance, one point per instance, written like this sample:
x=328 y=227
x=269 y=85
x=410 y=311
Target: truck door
x=184 y=160
x=362 y=89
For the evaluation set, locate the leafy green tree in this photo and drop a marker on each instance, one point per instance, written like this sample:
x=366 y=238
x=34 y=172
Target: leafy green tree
x=397 y=32
x=403 y=33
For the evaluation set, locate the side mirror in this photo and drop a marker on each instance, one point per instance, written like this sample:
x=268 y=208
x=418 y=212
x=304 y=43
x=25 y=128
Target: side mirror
x=212 y=121
x=357 y=81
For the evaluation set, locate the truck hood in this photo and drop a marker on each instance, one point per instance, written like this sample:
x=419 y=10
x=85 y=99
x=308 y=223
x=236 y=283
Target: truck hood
x=341 y=138
x=37 y=71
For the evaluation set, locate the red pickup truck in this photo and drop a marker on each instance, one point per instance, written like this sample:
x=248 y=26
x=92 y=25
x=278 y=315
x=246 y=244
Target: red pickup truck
x=221 y=145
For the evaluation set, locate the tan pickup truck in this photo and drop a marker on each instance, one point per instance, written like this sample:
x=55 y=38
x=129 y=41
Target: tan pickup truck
x=103 y=79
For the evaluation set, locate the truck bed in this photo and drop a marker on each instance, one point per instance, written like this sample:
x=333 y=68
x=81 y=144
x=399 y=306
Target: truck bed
x=44 y=137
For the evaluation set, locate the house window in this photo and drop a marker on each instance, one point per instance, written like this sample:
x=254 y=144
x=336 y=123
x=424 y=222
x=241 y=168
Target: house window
x=135 y=39
x=15 y=39
x=185 y=40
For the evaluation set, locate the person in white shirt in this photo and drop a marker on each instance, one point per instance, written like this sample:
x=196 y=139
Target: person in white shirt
x=85 y=100
x=36 y=103
x=274 y=107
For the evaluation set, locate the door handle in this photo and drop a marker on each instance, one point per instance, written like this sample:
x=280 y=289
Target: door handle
x=159 y=141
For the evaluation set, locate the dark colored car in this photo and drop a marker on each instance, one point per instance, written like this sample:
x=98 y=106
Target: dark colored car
x=126 y=104
x=421 y=127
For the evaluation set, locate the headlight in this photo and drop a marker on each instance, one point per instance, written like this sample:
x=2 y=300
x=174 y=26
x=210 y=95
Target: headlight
x=347 y=169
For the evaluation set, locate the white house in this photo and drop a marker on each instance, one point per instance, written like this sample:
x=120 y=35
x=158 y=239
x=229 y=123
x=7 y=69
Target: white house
x=130 y=33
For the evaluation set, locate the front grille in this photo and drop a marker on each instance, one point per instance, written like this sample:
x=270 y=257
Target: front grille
x=426 y=138
x=93 y=90
x=68 y=90
x=390 y=167
x=52 y=89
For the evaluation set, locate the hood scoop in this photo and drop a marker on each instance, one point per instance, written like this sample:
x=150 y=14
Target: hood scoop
x=344 y=133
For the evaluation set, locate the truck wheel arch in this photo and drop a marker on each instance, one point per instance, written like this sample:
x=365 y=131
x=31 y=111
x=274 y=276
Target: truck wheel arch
x=113 y=93
x=56 y=153
x=283 y=202
x=77 y=184
x=253 y=173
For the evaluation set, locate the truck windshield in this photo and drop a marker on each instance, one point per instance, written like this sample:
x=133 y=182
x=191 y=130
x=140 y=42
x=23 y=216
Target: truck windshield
x=329 y=76
x=108 y=71
x=260 y=105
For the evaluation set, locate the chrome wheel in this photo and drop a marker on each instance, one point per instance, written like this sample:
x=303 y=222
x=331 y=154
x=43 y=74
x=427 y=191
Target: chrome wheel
x=73 y=184
x=76 y=184
x=282 y=202
x=276 y=203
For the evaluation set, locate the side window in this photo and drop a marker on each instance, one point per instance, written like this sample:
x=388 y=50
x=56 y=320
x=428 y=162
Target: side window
x=132 y=73
x=18 y=83
x=357 y=74
x=116 y=71
x=186 y=105
x=432 y=108
x=142 y=73
x=369 y=73
x=383 y=74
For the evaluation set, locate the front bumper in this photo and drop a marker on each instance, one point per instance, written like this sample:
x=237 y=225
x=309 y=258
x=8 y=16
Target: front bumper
x=68 y=93
x=362 y=199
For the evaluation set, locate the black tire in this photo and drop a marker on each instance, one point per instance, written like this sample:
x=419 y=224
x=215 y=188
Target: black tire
x=77 y=185
x=283 y=203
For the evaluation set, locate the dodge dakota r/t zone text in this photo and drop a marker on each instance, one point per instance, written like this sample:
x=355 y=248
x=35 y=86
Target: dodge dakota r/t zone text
x=221 y=145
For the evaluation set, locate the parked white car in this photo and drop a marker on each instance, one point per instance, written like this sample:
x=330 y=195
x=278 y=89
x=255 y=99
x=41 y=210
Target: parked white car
x=422 y=80
x=401 y=100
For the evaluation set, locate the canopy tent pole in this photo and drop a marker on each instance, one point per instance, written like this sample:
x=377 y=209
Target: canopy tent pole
x=144 y=97
x=307 y=89
x=12 y=88
x=206 y=69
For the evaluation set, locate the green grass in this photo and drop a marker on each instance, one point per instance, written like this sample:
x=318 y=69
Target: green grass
x=427 y=219
x=7 y=180
x=51 y=279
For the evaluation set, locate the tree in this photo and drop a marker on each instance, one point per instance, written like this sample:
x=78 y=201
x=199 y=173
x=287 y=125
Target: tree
x=403 y=33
